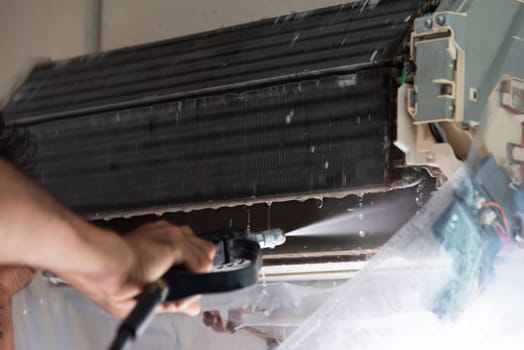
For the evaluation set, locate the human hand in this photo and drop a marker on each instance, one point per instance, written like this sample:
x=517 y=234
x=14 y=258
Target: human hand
x=155 y=247
x=213 y=320
x=12 y=280
x=160 y=245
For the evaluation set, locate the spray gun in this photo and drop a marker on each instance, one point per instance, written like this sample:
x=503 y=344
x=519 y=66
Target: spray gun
x=236 y=265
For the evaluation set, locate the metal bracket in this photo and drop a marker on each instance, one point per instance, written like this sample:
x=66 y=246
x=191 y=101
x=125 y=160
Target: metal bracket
x=417 y=143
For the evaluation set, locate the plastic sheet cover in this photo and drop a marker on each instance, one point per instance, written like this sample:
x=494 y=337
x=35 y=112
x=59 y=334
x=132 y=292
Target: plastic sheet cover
x=393 y=302
x=257 y=318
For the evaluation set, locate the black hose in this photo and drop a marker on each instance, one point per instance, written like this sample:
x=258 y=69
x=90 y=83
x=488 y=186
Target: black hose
x=141 y=316
x=121 y=340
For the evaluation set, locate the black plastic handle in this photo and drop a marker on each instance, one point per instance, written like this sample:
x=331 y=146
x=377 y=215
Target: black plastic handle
x=236 y=266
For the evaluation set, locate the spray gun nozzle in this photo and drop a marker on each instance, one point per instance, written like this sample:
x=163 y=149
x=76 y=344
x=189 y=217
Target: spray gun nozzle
x=268 y=238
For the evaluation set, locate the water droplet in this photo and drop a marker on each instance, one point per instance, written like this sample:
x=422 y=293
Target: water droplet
x=320 y=203
x=290 y=116
x=305 y=246
x=264 y=282
x=326 y=165
x=312 y=149
x=373 y=55
x=24 y=312
x=419 y=200
x=361 y=216
x=269 y=216
x=264 y=291
x=267 y=313
x=248 y=226
x=334 y=283
x=295 y=39
x=361 y=233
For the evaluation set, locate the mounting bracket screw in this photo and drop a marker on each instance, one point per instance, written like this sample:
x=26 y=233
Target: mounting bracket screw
x=428 y=22
x=441 y=20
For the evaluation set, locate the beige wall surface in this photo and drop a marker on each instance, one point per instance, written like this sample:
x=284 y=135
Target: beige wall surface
x=127 y=22
x=59 y=28
x=38 y=28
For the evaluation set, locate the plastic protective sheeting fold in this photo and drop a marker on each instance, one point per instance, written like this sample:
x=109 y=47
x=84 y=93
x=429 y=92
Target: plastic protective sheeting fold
x=257 y=318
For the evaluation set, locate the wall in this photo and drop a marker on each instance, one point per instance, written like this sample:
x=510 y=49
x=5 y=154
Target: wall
x=143 y=21
x=36 y=28
x=61 y=28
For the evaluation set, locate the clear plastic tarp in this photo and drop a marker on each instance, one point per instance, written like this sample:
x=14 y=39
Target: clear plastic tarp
x=401 y=299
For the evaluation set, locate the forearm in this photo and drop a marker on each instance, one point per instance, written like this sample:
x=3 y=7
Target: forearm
x=36 y=230
x=6 y=323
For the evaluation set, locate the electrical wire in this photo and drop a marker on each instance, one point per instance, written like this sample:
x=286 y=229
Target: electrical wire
x=438 y=133
x=502 y=214
x=500 y=232
x=403 y=76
